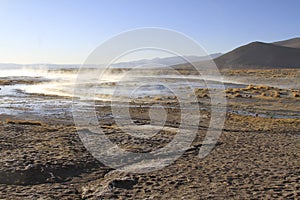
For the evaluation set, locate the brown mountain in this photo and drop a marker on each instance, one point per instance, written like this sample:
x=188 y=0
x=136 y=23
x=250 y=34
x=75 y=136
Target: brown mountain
x=293 y=43
x=283 y=54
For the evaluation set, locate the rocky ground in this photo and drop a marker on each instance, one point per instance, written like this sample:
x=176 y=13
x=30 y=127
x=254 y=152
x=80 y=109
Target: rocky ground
x=256 y=157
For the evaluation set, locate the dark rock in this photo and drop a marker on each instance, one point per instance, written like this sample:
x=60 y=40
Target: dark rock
x=126 y=183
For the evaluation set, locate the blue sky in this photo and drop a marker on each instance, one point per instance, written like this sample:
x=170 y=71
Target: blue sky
x=67 y=31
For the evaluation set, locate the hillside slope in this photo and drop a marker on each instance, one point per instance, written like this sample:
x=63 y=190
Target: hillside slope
x=293 y=43
x=261 y=55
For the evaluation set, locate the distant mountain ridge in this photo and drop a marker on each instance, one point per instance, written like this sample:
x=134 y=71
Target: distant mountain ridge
x=282 y=54
x=255 y=55
x=165 y=61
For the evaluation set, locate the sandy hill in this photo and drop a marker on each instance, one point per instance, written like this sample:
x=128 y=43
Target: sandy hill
x=293 y=43
x=283 y=54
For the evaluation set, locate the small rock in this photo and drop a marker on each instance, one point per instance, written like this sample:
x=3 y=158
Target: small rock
x=125 y=183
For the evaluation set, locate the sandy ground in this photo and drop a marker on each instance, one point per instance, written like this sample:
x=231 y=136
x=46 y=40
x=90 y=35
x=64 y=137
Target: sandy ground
x=256 y=157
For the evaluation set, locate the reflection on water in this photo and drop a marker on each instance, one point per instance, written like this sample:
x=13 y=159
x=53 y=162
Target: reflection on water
x=62 y=81
x=58 y=83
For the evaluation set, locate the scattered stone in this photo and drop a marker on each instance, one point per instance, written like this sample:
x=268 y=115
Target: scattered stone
x=124 y=183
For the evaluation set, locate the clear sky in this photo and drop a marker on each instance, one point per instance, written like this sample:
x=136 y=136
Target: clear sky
x=66 y=31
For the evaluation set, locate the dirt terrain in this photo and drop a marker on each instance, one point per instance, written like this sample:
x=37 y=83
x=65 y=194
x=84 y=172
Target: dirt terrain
x=256 y=157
